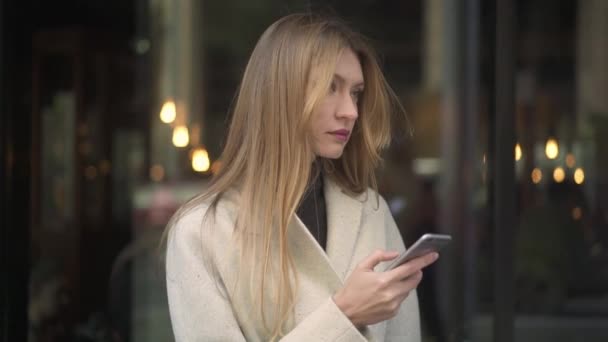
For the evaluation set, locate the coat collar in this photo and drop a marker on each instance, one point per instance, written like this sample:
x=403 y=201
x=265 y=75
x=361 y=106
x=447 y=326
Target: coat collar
x=343 y=226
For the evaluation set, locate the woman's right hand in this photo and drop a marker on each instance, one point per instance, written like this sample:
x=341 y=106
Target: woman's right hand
x=369 y=297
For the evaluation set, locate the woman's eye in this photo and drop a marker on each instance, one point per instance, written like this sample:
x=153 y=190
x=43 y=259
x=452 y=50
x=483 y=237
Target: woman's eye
x=333 y=88
x=356 y=94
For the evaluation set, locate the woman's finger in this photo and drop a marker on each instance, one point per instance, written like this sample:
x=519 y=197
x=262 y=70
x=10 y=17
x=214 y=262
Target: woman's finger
x=412 y=266
x=375 y=258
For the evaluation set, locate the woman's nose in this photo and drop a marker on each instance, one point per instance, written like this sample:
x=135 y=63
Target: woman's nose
x=347 y=109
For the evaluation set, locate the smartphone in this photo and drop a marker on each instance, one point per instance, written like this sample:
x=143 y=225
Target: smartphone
x=426 y=244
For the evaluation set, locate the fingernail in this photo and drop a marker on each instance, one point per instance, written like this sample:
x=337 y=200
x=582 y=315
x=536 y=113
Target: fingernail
x=435 y=256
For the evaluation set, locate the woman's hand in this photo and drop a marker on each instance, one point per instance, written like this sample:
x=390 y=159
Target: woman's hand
x=370 y=297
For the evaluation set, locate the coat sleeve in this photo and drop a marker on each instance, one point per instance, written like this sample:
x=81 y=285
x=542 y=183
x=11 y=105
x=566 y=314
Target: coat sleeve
x=406 y=325
x=200 y=310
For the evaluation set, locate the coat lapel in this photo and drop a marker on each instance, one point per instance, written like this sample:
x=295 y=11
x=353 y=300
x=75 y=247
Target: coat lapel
x=327 y=268
x=310 y=257
x=343 y=226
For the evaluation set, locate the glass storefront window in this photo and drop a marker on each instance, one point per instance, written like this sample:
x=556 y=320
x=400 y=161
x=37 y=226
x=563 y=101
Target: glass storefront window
x=129 y=106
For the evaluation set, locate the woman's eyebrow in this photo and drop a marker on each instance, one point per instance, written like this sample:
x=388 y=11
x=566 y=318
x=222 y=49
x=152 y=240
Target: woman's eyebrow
x=341 y=79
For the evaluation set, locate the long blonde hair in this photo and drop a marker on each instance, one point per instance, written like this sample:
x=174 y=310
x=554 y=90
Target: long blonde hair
x=267 y=154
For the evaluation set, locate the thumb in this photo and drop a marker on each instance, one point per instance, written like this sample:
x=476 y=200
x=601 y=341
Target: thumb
x=375 y=258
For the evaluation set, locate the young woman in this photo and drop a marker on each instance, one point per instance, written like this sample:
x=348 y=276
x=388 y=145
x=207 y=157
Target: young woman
x=288 y=242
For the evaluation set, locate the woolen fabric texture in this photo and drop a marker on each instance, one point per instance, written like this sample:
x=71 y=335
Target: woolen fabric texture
x=203 y=308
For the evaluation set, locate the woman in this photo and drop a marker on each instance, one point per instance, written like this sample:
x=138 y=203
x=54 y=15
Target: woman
x=284 y=243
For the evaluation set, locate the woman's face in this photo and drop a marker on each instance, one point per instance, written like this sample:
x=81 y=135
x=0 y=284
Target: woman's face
x=334 y=118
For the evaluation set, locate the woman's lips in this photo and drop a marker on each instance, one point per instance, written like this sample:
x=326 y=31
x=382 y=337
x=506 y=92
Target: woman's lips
x=341 y=134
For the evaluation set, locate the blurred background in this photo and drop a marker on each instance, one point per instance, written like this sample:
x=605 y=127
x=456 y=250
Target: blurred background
x=113 y=113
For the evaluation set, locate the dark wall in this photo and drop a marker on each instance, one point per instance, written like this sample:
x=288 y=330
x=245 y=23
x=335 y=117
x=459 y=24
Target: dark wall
x=15 y=136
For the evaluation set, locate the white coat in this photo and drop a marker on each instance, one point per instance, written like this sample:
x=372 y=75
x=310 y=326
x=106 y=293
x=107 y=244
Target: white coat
x=203 y=311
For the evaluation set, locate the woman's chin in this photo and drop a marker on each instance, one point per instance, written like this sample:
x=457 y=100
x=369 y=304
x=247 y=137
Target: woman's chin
x=330 y=154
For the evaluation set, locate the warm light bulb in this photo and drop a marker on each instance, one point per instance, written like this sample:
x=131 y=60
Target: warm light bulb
x=537 y=175
x=570 y=160
x=200 y=160
x=168 y=112
x=517 y=152
x=180 y=136
x=551 y=148
x=577 y=213
x=559 y=174
x=579 y=176
x=157 y=173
